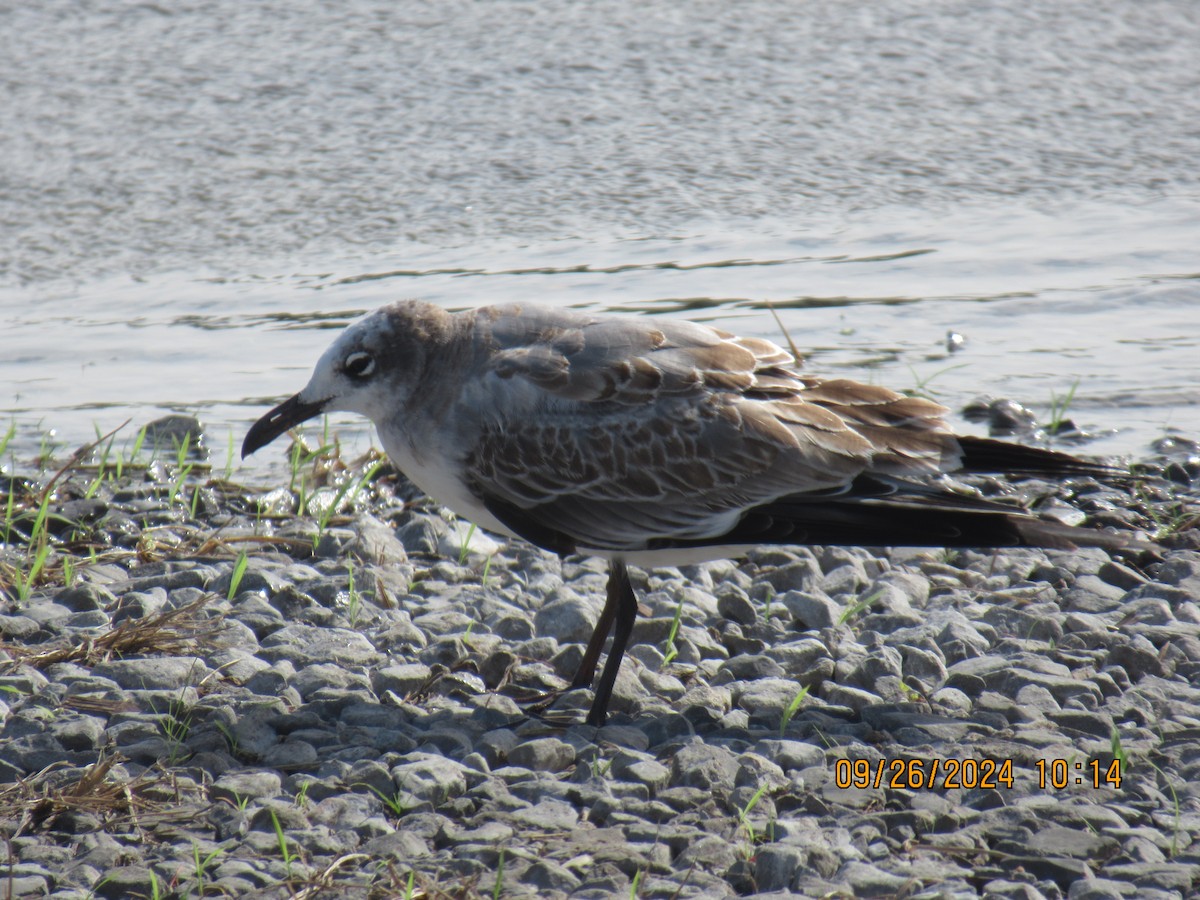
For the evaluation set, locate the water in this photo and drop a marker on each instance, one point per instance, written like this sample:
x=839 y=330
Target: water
x=192 y=196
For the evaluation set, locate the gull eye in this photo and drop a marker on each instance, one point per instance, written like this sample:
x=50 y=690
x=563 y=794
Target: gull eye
x=359 y=365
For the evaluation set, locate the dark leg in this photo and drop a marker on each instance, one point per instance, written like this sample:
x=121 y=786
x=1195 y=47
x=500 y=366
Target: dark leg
x=587 y=665
x=624 y=603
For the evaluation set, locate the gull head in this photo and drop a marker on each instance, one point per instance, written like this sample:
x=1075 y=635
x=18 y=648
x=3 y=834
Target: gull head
x=369 y=370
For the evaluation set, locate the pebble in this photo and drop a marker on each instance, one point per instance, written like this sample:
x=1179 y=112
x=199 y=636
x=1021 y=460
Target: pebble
x=384 y=725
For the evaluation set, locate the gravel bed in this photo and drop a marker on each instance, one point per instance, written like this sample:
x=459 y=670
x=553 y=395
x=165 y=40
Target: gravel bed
x=205 y=693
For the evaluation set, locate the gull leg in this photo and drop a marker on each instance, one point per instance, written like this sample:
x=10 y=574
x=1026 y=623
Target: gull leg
x=587 y=665
x=619 y=604
x=623 y=602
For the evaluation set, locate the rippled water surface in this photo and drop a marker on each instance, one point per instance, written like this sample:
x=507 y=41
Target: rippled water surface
x=191 y=196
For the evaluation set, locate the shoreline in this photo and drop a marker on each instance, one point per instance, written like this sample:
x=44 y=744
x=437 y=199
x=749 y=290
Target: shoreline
x=205 y=691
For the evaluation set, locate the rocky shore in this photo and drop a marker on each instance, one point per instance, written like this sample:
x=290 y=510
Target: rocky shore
x=317 y=688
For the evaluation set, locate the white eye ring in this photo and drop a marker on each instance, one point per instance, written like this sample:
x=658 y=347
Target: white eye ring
x=359 y=364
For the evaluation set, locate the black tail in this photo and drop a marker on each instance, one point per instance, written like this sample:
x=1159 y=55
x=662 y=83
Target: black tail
x=919 y=520
x=984 y=455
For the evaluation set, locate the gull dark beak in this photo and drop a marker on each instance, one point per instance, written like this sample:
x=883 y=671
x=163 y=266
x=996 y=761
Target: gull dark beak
x=288 y=414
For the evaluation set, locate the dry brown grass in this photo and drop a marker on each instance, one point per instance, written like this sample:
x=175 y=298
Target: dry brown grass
x=171 y=632
x=39 y=800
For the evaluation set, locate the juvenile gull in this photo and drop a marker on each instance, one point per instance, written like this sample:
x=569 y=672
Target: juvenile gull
x=656 y=442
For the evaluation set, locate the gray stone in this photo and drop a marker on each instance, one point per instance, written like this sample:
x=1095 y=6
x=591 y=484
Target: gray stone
x=661 y=685
x=1180 y=567
x=401 y=846
x=711 y=852
x=1179 y=877
x=844 y=695
x=168 y=673
x=1123 y=577
x=139 y=604
x=1002 y=889
x=310 y=679
x=542 y=755
x=83 y=597
x=1101 y=889
x=26 y=681
x=748 y=668
x=290 y=754
x=845 y=580
x=733 y=604
x=775 y=866
x=376 y=542
x=767 y=699
x=804 y=575
x=39 y=886
x=257 y=614
x=569 y=619
x=926 y=665
x=643 y=770
x=912 y=588
x=704 y=766
x=236 y=665
x=1041 y=622
x=881 y=661
x=548 y=815
x=803 y=659
x=304 y=645
x=79 y=732
x=870 y=881
x=400 y=680
x=87 y=620
x=951 y=700
x=715 y=701
x=1063 y=688
x=548 y=876
x=18 y=627
x=1090 y=593
x=1097 y=724
x=432 y=778
x=256 y=579
x=422 y=532
x=272 y=680
x=812 y=610
x=961 y=641
x=791 y=754
x=253 y=734
x=1148 y=611
x=463 y=539
x=257 y=785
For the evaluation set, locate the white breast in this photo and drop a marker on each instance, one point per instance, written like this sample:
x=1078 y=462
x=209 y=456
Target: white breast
x=437 y=472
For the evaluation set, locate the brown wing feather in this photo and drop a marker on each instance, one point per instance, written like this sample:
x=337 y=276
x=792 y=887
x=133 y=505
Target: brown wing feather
x=675 y=424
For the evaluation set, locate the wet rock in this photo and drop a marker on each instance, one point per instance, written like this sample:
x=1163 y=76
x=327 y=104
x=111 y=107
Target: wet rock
x=166 y=436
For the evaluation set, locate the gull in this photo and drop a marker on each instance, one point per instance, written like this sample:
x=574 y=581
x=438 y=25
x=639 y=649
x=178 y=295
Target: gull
x=650 y=442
